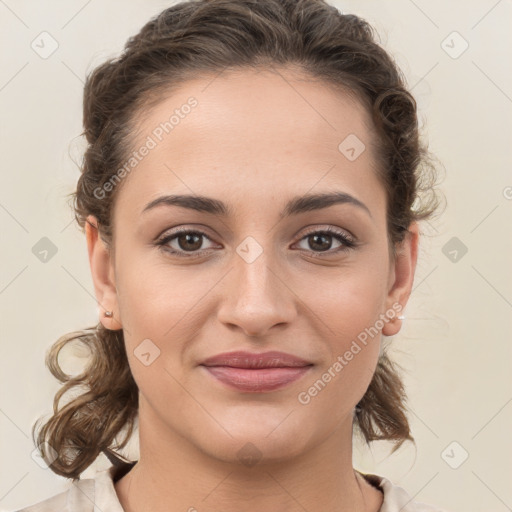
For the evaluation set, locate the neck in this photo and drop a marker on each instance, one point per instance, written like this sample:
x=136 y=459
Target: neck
x=172 y=474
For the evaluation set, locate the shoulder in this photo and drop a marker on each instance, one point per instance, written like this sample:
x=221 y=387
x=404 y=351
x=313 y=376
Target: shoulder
x=78 y=498
x=396 y=498
x=88 y=495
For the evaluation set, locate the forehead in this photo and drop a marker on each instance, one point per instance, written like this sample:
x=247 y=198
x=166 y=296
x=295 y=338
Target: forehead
x=250 y=130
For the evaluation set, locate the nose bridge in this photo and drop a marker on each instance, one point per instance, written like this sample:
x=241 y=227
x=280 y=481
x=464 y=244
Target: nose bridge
x=253 y=270
x=257 y=297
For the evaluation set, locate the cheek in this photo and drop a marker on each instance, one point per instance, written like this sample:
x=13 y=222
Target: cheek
x=351 y=343
x=156 y=299
x=345 y=302
x=162 y=311
x=346 y=309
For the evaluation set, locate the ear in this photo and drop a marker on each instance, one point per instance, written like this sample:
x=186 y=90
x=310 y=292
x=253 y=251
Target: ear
x=102 y=275
x=401 y=278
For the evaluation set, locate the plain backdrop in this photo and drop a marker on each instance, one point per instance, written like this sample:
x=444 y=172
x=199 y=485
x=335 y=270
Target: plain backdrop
x=455 y=344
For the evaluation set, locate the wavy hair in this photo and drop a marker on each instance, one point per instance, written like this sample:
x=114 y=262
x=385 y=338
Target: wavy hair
x=189 y=40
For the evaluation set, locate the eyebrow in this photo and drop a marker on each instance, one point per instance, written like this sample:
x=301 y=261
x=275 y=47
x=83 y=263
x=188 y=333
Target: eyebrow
x=296 y=205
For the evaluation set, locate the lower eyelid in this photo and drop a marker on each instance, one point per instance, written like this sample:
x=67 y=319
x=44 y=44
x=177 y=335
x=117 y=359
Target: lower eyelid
x=346 y=241
x=166 y=240
x=341 y=241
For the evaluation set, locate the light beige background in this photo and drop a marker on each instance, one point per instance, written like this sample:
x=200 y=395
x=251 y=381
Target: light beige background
x=455 y=345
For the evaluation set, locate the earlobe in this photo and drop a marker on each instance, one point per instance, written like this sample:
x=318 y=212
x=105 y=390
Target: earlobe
x=404 y=267
x=101 y=270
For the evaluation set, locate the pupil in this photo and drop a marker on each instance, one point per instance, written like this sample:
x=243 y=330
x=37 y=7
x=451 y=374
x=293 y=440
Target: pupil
x=188 y=237
x=323 y=247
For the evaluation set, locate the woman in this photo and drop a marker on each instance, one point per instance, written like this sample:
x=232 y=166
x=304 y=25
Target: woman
x=251 y=196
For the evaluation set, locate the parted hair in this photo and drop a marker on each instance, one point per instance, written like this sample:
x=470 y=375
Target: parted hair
x=186 y=41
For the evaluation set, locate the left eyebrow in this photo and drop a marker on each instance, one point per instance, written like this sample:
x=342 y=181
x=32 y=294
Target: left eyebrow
x=312 y=202
x=295 y=206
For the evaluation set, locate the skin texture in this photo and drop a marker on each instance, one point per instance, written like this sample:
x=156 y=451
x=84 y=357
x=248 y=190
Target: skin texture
x=255 y=140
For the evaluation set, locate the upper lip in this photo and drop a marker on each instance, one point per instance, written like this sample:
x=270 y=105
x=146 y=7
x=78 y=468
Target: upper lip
x=243 y=359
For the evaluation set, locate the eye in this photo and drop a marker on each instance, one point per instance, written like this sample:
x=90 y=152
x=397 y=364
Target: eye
x=320 y=241
x=188 y=243
x=184 y=241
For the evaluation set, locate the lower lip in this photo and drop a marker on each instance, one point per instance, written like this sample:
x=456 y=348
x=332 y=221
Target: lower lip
x=257 y=380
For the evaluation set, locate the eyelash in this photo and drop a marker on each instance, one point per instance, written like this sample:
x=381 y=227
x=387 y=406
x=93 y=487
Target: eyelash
x=347 y=241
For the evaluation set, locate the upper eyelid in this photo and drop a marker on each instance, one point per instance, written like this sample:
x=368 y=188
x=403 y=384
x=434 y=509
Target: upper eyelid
x=204 y=231
x=330 y=230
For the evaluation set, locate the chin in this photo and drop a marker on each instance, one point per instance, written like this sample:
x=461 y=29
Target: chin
x=252 y=450
x=258 y=438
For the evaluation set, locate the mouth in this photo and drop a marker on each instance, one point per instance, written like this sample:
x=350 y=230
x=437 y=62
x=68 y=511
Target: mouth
x=256 y=373
x=253 y=360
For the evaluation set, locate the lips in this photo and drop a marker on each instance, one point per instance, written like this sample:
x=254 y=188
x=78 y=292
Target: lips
x=243 y=359
x=256 y=373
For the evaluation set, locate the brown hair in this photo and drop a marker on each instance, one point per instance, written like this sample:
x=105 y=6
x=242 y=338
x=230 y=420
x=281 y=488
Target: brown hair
x=189 y=40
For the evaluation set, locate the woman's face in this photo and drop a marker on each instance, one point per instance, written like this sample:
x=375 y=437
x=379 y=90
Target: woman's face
x=256 y=273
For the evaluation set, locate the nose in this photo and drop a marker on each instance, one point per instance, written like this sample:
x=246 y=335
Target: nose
x=256 y=298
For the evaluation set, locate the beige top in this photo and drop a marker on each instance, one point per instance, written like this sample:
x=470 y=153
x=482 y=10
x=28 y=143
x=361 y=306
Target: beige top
x=98 y=494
